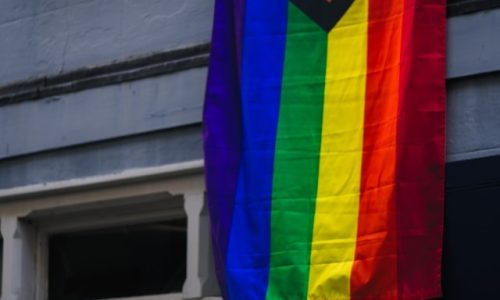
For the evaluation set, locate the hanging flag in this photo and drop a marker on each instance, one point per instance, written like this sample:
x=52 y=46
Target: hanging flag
x=324 y=131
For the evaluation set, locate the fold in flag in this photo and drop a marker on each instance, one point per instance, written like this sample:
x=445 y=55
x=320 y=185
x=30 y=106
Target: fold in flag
x=324 y=146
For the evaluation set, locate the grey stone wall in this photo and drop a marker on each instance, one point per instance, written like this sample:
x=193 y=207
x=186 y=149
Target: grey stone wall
x=107 y=157
x=473 y=44
x=473 y=123
x=102 y=113
x=41 y=37
x=143 y=123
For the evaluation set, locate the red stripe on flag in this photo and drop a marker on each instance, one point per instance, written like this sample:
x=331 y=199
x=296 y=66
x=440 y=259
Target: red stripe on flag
x=420 y=150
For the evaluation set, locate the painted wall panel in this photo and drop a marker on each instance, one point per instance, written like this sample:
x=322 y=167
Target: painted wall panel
x=113 y=156
x=473 y=44
x=47 y=37
x=473 y=125
x=104 y=113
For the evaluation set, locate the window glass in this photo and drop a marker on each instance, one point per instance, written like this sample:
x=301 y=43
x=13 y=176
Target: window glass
x=118 y=262
x=471 y=244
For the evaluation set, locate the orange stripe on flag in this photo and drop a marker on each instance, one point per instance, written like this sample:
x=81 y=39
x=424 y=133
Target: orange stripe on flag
x=374 y=273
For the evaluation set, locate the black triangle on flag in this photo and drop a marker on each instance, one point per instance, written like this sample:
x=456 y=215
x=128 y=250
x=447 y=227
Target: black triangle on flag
x=326 y=13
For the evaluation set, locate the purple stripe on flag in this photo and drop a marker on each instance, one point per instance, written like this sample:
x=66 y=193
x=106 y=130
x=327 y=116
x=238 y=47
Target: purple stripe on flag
x=222 y=125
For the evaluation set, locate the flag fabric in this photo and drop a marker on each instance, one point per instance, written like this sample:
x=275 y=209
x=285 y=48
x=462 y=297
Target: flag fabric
x=324 y=128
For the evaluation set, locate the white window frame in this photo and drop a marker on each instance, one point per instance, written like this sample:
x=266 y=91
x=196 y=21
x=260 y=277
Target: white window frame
x=29 y=215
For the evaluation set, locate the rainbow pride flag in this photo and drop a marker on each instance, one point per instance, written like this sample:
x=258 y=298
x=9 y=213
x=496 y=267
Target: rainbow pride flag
x=324 y=131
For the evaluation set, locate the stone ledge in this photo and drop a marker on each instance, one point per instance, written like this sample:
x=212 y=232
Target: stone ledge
x=113 y=73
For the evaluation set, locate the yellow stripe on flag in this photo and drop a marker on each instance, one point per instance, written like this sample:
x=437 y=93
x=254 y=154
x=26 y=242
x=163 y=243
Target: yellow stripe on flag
x=337 y=204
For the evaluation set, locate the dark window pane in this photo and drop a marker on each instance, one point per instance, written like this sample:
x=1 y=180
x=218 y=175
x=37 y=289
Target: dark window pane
x=471 y=244
x=124 y=261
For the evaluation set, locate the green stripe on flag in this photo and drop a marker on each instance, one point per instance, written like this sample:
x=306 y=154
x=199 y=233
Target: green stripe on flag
x=296 y=162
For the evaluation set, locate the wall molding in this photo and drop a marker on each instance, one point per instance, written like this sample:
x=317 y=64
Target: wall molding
x=470 y=6
x=114 y=73
x=52 y=189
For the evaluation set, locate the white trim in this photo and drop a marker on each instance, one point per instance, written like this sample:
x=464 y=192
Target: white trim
x=46 y=226
x=44 y=207
x=139 y=174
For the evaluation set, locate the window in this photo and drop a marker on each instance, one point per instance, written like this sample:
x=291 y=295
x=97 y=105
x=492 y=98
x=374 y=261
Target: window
x=471 y=244
x=138 y=235
x=124 y=261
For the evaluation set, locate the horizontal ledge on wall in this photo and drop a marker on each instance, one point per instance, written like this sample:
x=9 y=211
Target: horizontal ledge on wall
x=113 y=73
x=471 y=6
x=123 y=178
x=470 y=76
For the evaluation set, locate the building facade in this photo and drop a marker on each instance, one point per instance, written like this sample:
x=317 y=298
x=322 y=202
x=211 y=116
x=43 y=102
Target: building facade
x=101 y=161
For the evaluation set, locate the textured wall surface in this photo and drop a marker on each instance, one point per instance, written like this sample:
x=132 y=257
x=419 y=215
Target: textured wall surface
x=473 y=124
x=102 y=113
x=41 y=37
x=111 y=156
x=473 y=44
x=104 y=130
